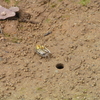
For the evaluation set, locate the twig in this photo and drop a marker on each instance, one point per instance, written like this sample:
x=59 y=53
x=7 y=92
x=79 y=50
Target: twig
x=47 y=33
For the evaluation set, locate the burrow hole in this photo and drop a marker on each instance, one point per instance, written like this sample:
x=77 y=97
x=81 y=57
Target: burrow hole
x=59 y=66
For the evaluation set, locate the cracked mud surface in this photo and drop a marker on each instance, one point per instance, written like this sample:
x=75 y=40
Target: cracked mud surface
x=74 y=42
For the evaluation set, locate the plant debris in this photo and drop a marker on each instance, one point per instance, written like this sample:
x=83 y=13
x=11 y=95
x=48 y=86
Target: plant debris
x=47 y=33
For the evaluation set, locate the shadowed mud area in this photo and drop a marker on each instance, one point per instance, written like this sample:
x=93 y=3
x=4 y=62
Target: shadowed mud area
x=73 y=70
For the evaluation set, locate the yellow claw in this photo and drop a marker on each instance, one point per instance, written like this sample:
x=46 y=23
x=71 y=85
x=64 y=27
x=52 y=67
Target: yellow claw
x=42 y=47
x=38 y=47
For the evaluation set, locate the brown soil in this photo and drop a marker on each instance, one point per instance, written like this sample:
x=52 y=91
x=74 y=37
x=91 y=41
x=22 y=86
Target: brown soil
x=74 y=42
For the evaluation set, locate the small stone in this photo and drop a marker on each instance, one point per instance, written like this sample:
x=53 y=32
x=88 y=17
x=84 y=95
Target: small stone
x=94 y=84
x=26 y=65
x=27 y=70
x=13 y=88
x=72 y=87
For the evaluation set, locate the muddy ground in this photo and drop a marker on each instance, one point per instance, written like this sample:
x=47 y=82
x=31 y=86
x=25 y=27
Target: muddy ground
x=74 y=42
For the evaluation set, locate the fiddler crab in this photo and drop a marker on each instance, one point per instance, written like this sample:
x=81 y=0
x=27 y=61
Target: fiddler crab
x=42 y=51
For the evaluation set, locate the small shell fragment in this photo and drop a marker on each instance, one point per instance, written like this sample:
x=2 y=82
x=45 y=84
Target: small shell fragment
x=6 y=13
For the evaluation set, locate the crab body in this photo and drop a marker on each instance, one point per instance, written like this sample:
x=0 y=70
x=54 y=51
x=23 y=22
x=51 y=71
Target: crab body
x=42 y=51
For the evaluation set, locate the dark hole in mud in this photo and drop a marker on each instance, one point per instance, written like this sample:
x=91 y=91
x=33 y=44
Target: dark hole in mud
x=17 y=15
x=60 y=66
